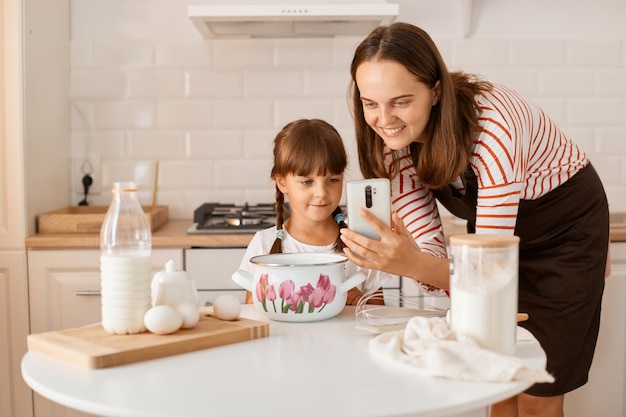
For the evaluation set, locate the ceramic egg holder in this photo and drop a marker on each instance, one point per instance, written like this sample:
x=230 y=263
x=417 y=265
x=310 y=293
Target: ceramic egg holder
x=175 y=302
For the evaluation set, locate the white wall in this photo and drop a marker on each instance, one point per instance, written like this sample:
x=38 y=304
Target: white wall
x=146 y=87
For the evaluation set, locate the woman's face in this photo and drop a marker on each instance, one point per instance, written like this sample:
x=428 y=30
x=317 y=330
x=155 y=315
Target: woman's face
x=395 y=104
x=312 y=198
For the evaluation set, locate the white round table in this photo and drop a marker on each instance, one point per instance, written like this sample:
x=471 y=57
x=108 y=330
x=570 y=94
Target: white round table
x=302 y=369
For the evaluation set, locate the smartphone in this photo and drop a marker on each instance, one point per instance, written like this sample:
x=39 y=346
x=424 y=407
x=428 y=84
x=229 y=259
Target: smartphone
x=374 y=195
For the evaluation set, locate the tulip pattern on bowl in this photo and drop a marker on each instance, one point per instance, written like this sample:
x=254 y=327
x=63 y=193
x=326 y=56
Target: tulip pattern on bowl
x=307 y=298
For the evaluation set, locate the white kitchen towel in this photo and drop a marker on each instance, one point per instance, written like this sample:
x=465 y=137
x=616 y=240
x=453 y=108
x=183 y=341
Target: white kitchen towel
x=431 y=347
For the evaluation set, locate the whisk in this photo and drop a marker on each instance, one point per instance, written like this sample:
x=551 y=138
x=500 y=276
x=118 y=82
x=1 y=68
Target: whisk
x=397 y=310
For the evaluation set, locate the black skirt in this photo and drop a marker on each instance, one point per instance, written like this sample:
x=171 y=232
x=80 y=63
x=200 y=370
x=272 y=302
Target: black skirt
x=564 y=239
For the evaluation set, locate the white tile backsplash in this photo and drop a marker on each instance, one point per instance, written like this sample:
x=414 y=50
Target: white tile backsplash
x=482 y=52
x=211 y=144
x=303 y=53
x=155 y=84
x=243 y=113
x=566 y=82
x=185 y=113
x=146 y=87
x=98 y=84
x=156 y=144
x=214 y=84
x=610 y=82
x=271 y=83
x=243 y=53
x=123 y=114
x=122 y=53
x=540 y=53
x=594 y=53
x=184 y=54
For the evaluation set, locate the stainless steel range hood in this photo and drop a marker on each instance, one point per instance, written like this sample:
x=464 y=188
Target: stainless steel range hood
x=283 y=20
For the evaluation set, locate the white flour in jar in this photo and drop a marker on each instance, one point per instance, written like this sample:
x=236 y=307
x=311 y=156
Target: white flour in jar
x=487 y=313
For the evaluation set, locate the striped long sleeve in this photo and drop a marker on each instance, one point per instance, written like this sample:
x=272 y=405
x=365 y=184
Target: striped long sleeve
x=416 y=206
x=519 y=154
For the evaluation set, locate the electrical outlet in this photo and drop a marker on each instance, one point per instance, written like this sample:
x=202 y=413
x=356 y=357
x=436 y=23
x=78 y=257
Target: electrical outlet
x=87 y=165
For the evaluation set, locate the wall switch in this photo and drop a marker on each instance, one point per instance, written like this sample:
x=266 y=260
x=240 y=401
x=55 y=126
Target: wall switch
x=86 y=165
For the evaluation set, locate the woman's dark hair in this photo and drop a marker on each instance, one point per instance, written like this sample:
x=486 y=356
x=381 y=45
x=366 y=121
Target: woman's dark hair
x=307 y=147
x=453 y=122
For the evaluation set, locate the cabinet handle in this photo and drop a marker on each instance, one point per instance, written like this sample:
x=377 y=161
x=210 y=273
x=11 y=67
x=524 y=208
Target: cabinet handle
x=88 y=292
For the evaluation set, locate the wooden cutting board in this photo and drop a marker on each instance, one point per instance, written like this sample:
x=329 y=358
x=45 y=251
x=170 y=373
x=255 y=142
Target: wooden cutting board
x=93 y=347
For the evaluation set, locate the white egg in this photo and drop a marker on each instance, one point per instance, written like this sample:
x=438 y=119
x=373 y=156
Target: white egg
x=227 y=307
x=162 y=319
x=190 y=313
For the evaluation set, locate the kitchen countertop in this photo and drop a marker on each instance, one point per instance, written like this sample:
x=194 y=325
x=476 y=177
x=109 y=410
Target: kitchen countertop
x=171 y=235
x=307 y=369
x=174 y=235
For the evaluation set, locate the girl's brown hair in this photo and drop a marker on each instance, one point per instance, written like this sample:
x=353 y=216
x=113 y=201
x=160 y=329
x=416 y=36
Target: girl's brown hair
x=453 y=122
x=307 y=147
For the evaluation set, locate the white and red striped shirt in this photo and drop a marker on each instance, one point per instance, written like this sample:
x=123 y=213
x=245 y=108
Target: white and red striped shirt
x=519 y=154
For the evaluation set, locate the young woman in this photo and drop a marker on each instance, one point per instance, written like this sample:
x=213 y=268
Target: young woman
x=493 y=158
x=309 y=162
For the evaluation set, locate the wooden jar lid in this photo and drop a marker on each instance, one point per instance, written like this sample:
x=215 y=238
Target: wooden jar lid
x=483 y=240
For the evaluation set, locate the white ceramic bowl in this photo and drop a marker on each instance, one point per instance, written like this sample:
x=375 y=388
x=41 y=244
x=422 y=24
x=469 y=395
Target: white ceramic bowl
x=299 y=287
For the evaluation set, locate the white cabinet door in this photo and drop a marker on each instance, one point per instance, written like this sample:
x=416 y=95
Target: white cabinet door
x=64 y=292
x=211 y=269
x=605 y=392
x=15 y=395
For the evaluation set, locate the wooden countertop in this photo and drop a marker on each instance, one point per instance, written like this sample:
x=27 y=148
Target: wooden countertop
x=174 y=235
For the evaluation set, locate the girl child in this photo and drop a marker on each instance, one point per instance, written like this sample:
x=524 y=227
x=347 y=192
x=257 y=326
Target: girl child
x=309 y=162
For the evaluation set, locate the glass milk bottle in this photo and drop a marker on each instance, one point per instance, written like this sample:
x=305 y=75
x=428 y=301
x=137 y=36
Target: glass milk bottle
x=483 y=289
x=125 y=264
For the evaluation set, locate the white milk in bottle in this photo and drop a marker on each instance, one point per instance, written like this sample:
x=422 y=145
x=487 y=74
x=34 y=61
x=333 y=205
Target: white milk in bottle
x=483 y=289
x=125 y=263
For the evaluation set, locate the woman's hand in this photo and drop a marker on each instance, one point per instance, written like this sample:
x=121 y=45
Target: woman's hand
x=395 y=253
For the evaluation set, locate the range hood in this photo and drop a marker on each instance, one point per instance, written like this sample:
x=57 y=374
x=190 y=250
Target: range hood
x=282 y=20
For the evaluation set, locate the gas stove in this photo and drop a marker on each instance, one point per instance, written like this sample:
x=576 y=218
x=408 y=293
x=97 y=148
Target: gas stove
x=216 y=218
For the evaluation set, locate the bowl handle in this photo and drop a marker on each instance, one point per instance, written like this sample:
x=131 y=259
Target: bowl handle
x=352 y=281
x=243 y=279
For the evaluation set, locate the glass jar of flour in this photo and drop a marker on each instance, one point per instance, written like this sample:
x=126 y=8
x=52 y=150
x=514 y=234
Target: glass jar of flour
x=483 y=289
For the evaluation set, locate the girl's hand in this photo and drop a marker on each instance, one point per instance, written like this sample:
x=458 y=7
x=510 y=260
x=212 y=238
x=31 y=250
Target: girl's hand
x=395 y=253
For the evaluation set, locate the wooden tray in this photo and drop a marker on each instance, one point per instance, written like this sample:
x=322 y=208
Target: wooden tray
x=93 y=347
x=88 y=219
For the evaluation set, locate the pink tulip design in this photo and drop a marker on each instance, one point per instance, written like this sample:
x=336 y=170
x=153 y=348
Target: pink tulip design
x=316 y=298
x=286 y=288
x=271 y=295
x=285 y=292
x=323 y=294
x=261 y=288
x=291 y=300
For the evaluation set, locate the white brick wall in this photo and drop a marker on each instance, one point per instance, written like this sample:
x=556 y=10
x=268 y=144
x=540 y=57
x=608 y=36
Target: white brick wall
x=145 y=87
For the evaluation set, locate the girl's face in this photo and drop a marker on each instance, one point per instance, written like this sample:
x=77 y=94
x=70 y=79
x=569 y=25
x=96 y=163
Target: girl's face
x=395 y=104
x=312 y=198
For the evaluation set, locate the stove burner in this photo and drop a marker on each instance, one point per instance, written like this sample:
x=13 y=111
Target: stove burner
x=242 y=219
x=230 y=218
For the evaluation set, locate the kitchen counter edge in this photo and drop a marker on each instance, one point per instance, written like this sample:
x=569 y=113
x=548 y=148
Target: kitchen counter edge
x=174 y=235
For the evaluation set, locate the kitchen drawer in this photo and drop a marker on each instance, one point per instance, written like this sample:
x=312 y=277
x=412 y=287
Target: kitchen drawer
x=212 y=268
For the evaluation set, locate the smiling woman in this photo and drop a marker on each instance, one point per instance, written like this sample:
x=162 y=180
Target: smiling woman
x=495 y=159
